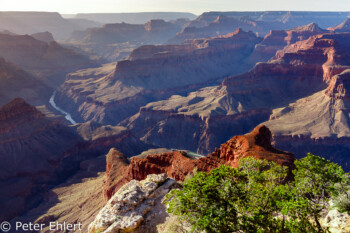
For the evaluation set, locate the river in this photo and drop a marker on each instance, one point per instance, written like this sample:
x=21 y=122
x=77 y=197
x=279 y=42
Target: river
x=66 y=114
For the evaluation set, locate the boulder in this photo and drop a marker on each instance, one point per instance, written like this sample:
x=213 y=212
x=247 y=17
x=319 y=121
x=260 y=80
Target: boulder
x=128 y=208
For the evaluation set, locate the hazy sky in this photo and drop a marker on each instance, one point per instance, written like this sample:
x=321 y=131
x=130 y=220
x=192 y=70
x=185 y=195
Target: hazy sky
x=194 y=6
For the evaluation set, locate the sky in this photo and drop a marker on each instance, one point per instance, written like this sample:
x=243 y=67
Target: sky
x=193 y=6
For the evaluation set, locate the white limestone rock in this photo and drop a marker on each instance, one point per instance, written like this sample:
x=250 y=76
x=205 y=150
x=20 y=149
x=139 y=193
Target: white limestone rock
x=126 y=210
x=336 y=221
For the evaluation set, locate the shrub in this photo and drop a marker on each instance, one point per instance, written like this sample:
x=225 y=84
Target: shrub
x=255 y=198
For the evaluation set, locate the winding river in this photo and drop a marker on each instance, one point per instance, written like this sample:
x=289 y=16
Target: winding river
x=66 y=114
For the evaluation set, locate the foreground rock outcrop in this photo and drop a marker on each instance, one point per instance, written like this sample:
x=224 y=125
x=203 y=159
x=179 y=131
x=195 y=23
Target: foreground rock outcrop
x=179 y=164
x=336 y=222
x=128 y=208
x=135 y=189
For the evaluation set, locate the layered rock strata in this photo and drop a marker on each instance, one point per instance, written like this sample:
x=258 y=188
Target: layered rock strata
x=156 y=74
x=178 y=165
x=208 y=117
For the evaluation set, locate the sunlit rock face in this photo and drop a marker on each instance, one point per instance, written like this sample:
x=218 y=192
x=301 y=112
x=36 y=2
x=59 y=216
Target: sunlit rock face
x=128 y=208
x=179 y=164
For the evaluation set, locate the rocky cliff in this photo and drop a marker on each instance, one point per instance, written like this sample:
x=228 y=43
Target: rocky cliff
x=318 y=123
x=277 y=39
x=136 y=203
x=195 y=121
x=178 y=165
x=31 y=148
x=37 y=152
x=135 y=189
x=163 y=71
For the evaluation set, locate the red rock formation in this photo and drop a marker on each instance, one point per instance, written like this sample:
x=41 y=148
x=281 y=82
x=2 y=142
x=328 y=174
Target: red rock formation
x=178 y=165
x=328 y=50
x=278 y=39
x=256 y=144
x=116 y=164
x=319 y=57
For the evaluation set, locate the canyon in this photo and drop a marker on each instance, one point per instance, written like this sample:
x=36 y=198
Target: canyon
x=219 y=23
x=91 y=105
x=160 y=71
x=113 y=42
x=92 y=193
x=38 y=152
x=301 y=72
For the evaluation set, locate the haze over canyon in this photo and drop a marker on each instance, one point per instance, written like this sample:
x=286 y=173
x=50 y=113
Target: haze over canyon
x=93 y=103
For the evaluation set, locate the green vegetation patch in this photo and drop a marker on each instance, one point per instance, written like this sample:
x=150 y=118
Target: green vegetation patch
x=258 y=197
